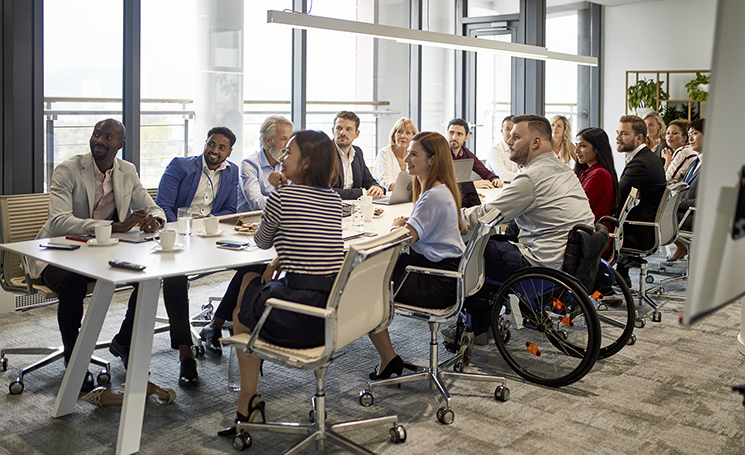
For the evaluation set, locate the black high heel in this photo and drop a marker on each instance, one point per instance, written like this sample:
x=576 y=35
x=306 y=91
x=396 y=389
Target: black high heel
x=231 y=431
x=259 y=407
x=396 y=365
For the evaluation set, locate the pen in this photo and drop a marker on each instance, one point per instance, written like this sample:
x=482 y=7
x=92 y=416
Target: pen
x=77 y=239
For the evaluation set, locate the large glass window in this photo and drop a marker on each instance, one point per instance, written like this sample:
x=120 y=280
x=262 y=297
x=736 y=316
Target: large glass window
x=438 y=69
x=493 y=96
x=82 y=76
x=561 y=77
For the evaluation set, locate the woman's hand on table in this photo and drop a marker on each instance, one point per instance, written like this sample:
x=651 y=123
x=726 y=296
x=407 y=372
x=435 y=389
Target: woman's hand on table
x=400 y=221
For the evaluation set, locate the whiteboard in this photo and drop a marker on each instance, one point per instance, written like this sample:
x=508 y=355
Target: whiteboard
x=717 y=267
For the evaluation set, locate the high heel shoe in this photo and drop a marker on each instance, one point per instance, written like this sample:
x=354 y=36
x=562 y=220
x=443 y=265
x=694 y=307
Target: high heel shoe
x=396 y=365
x=231 y=431
x=260 y=406
x=96 y=396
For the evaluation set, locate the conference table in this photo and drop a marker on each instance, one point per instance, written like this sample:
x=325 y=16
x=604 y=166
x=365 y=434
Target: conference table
x=198 y=254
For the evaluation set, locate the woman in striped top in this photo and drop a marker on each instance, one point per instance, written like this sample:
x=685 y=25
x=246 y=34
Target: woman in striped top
x=303 y=222
x=436 y=228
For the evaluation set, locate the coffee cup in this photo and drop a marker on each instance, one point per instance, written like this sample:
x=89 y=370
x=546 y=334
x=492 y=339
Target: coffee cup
x=366 y=200
x=210 y=225
x=368 y=211
x=103 y=233
x=168 y=239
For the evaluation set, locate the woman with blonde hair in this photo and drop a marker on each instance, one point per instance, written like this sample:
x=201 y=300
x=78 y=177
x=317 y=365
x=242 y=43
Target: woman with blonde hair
x=655 y=132
x=390 y=159
x=561 y=139
x=436 y=226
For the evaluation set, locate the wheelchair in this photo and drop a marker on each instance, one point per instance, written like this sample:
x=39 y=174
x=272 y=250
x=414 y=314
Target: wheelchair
x=548 y=328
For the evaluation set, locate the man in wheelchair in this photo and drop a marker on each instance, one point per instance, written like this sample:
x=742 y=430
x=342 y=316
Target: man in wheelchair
x=541 y=205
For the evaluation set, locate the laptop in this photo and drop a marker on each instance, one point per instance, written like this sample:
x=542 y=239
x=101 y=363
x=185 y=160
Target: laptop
x=469 y=197
x=402 y=192
x=463 y=169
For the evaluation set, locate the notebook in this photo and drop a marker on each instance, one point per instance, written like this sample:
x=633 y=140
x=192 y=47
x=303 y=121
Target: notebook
x=402 y=192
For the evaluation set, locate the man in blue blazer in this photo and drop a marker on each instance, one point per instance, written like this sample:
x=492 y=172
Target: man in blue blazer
x=184 y=176
x=208 y=184
x=353 y=172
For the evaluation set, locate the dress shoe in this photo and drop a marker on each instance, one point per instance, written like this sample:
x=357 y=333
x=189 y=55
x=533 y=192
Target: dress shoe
x=394 y=366
x=101 y=396
x=231 y=431
x=119 y=350
x=211 y=338
x=188 y=377
x=88 y=383
x=260 y=407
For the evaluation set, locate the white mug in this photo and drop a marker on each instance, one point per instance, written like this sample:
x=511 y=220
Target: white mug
x=210 y=225
x=366 y=200
x=103 y=233
x=168 y=239
x=368 y=211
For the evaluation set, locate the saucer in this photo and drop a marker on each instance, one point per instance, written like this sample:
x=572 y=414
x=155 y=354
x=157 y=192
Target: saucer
x=216 y=234
x=94 y=242
x=176 y=247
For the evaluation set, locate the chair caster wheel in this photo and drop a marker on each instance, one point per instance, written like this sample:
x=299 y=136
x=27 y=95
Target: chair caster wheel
x=649 y=279
x=640 y=323
x=198 y=350
x=397 y=434
x=445 y=415
x=602 y=307
x=242 y=441
x=312 y=416
x=103 y=378
x=16 y=387
x=502 y=393
x=458 y=367
x=366 y=398
x=4 y=364
x=656 y=316
x=632 y=340
x=465 y=355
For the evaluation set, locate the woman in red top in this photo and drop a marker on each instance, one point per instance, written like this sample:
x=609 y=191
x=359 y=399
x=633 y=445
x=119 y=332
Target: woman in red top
x=596 y=172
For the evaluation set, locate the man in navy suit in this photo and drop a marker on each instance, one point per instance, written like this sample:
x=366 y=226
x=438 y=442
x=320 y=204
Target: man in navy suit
x=208 y=184
x=353 y=172
x=643 y=171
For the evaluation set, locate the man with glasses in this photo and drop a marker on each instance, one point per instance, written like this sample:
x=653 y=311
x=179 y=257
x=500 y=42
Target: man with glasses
x=256 y=179
x=207 y=185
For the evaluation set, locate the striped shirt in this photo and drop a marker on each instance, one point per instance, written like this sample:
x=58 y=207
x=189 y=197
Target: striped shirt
x=303 y=223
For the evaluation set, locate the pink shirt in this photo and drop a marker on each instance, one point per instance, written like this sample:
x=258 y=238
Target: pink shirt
x=104 y=205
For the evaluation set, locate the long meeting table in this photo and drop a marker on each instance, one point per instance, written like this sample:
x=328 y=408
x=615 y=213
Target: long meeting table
x=199 y=254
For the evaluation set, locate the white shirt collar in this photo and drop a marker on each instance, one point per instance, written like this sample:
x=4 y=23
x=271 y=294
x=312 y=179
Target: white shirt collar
x=630 y=156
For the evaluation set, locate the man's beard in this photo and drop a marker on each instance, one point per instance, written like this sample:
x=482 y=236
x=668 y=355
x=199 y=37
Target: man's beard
x=274 y=152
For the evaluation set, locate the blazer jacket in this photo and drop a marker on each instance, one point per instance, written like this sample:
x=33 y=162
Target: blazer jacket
x=72 y=196
x=362 y=178
x=645 y=173
x=180 y=181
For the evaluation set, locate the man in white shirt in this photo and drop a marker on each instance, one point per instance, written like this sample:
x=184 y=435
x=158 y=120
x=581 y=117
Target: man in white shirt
x=498 y=160
x=354 y=176
x=255 y=181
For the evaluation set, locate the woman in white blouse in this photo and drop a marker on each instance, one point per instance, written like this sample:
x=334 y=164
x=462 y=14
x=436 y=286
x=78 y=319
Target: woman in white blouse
x=677 y=154
x=390 y=159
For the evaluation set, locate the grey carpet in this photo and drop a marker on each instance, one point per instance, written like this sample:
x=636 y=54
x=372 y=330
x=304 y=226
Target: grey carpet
x=668 y=394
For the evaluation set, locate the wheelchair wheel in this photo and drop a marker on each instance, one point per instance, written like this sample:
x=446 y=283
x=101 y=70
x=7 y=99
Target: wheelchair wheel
x=545 y=327
x=617 y=314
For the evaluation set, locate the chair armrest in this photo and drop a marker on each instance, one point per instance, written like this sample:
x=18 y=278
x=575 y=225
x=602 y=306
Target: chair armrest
x=300 y=308
x=285 y=305
x=641 y=223
x=437 y=272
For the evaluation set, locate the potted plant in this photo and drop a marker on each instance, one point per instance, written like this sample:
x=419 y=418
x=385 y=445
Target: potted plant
x=644 y=94
x=698 y=88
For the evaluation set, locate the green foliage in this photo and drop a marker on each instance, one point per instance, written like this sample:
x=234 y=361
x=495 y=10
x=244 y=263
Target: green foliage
x=694 y=92
x=673 y=111
x=644 y=94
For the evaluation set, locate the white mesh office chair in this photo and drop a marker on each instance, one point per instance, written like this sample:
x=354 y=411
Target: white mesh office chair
x=360 y=302
x=469 y=278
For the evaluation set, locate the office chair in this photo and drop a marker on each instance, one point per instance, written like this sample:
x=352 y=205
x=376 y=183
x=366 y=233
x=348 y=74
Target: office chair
x=665 y=226
x=360 y=302
x=469 y=278
x=21 y=218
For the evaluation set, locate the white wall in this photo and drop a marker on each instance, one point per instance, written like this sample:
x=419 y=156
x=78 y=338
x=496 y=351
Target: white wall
x=672 y=34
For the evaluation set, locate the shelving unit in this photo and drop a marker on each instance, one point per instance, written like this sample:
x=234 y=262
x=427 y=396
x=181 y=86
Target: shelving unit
x=666 y=80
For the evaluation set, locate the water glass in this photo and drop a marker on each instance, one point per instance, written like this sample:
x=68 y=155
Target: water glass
x=358 y=218
x=184 y=220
